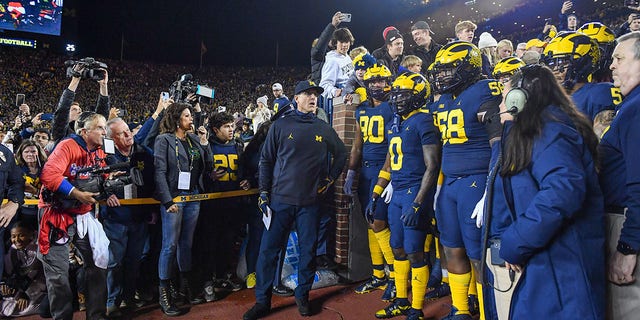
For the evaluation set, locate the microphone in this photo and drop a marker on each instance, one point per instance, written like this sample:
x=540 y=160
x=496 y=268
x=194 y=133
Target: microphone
x=513 y=110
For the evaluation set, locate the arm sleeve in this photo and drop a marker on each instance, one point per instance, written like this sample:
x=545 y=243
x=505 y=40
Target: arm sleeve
x=60 y=120
x=52 y=175
x=268 y=160
x=318 y=52
x=142 y=134
x=15 y=181
x=161 y=152
x=103 y=105
x=149 y=141
x=630 y=150
x=561 y=193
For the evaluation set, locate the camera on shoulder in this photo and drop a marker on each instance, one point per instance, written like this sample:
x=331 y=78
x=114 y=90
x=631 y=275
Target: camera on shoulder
x=91 y=69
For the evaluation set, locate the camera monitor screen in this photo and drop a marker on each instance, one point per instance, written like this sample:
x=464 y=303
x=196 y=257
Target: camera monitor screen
x=43 y=16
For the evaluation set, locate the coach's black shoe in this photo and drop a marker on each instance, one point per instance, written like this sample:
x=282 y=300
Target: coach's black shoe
x=256 y=312
x=303 y=307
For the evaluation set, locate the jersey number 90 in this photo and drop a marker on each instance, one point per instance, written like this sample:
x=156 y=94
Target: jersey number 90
x=372 y=129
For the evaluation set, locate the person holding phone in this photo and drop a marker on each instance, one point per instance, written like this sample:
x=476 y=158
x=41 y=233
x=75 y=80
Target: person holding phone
x=181 y=160
x=568 y=20
x=320 y=46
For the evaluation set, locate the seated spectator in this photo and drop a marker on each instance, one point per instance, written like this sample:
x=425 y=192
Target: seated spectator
x=24 y=288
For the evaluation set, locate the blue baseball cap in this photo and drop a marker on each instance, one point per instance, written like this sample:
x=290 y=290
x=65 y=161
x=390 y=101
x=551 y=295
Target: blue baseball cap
x=306 y=85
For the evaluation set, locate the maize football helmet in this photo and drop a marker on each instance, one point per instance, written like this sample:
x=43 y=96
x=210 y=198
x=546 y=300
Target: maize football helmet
x=377 y=72
x=506 y=67
x=409 y=92
x=606 y=41
x=457 y=64
x=574 y=52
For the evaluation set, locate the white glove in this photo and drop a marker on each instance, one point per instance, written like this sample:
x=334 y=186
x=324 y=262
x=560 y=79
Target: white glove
x=387 y=193
x=478 y=211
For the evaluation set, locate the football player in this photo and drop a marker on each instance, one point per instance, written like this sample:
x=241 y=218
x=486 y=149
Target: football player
x=606 y=39
x=368 y=154
x=506 y=67
x=413 y=160
x=574 y=57
x=466 y=101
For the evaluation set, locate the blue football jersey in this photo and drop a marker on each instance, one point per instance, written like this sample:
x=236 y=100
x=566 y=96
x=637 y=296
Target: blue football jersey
x=593 y=98
x=465 y=142
x=373 y=123
x=405 y=149
x=225 y=157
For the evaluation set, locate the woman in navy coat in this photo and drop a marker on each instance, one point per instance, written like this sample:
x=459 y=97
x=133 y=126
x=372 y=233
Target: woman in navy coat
x=548 y=205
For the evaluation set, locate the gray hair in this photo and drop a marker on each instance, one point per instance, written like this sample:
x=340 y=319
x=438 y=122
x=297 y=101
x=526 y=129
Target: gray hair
x=635 y=35
x=87 y=120
x=113 y=121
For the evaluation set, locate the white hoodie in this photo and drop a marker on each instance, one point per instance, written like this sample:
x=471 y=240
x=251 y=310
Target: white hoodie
x=336 y=71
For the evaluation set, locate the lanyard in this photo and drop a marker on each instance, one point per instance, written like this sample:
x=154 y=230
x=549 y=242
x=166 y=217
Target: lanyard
x=189 y=153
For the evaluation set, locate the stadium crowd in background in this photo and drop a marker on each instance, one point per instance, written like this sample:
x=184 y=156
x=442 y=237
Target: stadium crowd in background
x=511 y=122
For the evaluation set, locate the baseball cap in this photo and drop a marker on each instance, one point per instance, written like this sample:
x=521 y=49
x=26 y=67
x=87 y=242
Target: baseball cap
x=535 y=43
x=392 y=35
x=307 y=85
x=421 y=25
x=276 y=86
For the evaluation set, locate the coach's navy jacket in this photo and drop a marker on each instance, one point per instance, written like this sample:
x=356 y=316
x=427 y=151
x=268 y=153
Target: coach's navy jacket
x=294 y=158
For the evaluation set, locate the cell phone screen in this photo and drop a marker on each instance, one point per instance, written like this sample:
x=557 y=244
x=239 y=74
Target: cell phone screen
x=19 y=99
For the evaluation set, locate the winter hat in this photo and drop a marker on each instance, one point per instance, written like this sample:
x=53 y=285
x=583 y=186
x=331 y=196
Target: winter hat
x=363 y=61
x=390 y=34
x=486 y=40
x=264 y=100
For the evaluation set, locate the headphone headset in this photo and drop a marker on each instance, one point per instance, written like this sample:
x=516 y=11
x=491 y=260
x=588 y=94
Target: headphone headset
x=517 y=97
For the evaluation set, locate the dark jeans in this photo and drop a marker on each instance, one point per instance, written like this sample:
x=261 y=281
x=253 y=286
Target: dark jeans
x=306 y=221
x=126 y=242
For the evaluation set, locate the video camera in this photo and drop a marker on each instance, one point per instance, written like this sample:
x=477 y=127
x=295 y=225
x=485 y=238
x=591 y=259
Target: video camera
x=96 y=183
x=91 y=69
x=185 y=85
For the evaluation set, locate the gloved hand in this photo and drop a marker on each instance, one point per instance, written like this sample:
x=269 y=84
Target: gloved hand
x=324 y=185
x=263 y=202
x=478 y=211
x=348 y=182
x=370 y=210
x=387 y=193
x=411 y=215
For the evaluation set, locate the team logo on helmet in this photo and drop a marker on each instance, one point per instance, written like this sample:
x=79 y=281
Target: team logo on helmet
x=409 y=92
x=373 y=73
x=575 y=53
x=506 y=67
x=456 y=64
x=606 y=42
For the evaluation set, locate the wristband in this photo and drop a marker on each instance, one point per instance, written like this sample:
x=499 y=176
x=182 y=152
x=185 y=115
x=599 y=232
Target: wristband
x=378 y=189
x=386 y=175
x=625 y=248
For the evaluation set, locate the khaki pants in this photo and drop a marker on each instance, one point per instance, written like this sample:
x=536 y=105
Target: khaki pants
x=502 y=282
x=623 y=301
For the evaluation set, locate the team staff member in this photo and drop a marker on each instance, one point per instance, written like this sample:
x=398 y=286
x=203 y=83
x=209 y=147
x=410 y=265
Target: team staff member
x=180 y=159
x=620 y=181
x=369 y=152
x=291 y=181
x=58 y=223
x=414 y=162
x=550 y=219
x=466 y=98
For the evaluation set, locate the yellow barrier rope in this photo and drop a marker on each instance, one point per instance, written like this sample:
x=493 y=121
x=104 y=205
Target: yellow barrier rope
x=194 y=197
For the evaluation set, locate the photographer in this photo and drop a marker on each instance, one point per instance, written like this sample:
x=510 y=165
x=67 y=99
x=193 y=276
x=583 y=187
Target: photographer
x=65 y=116
x=61 y=222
